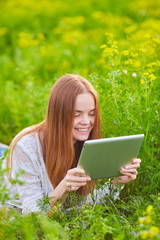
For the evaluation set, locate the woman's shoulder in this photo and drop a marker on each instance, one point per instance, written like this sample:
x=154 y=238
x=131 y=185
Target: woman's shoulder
x=28 y=140
x=28 y=145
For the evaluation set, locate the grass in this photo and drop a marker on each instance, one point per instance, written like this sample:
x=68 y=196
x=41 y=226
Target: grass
x=115 y=45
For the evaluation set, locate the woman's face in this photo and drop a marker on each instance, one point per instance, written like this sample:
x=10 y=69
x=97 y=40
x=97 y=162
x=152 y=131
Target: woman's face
x=84 y=116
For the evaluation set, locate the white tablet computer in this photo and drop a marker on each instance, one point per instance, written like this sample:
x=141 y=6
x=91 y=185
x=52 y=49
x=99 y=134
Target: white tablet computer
x=103 y=158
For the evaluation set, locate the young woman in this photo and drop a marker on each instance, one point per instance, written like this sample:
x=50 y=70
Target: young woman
x=48 y=152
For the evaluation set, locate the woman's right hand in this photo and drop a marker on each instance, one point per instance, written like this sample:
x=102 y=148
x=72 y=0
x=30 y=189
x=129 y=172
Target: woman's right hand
x=74 y=179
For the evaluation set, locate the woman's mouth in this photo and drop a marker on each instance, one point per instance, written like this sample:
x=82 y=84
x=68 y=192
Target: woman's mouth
x=83 y=130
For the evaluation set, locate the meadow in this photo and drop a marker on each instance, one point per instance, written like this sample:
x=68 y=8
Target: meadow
x=116 y=46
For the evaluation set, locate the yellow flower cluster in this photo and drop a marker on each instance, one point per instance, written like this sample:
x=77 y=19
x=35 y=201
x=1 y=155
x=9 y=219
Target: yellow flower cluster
x=152 y=77
x=26 y=39
x=137 y=48
x=111 y=48
x=150 y=234
x=152 y=231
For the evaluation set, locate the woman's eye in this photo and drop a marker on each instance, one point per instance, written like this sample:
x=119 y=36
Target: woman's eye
x=92 y=114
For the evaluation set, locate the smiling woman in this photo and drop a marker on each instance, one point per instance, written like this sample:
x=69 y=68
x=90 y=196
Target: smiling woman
x=48 y=152
x=84 y=116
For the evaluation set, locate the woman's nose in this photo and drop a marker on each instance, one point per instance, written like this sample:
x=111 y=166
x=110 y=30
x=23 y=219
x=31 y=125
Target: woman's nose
x=85 y=120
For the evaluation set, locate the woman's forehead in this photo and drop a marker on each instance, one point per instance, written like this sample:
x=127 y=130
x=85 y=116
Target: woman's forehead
x=85 y=101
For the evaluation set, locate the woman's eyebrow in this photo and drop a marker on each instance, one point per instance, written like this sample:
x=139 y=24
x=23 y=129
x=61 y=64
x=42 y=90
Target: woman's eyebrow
x=82 y=111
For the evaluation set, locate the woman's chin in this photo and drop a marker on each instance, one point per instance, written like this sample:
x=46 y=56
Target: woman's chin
x=81 y=137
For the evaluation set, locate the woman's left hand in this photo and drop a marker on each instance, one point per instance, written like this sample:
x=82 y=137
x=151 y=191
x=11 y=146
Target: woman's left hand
x=129 y=172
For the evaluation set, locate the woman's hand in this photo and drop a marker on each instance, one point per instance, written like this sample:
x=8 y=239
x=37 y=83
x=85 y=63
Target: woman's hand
x=74 y=179
x=129 y=172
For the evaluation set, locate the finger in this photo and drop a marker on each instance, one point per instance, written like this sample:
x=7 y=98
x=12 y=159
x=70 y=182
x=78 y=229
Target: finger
x=77 y=171
x=72 y=178
x=74 y=186
x=130 y=166
x=73 y=189
x=131 y=170
x=136 y=160
x=131 y=176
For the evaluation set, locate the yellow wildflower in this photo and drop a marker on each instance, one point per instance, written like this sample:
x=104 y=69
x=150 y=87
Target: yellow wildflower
x=125 y=52
x=142 y=82
x=154 y=229
x=141 y=220
x=103 y=46
x=109 y=35
x=137 y=64
x=116 y=51
x=149 y=209
x=134 y=55
x=153 y=232
x=115 y=43
x=126 y=63
x=147 y=36
x=151 y=64
x=142 y=50
x=144 y=234
x=145 y=73
x=148 y=219
x=24 y=35
x=144 y=213
x=22 y=42
x=152 y=77
x=158 y=63
x=130 y=61
x=107 y=51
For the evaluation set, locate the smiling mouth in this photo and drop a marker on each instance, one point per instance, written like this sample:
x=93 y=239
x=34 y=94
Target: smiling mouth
x=82 y=129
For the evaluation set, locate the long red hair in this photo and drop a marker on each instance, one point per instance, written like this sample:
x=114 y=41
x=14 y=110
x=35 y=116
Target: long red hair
x=59 y=152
